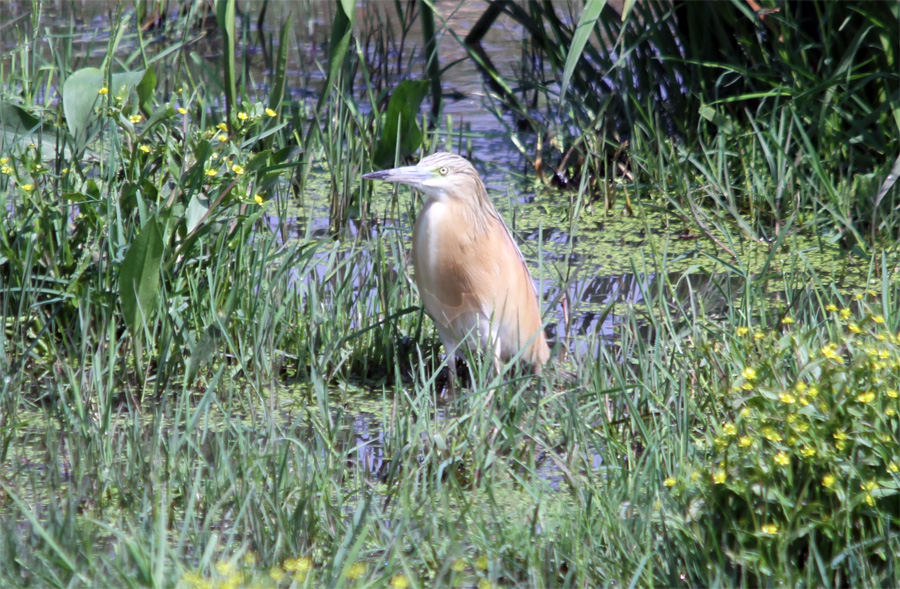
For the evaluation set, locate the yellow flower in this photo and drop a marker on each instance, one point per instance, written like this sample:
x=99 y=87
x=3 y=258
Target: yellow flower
x=771 y=434
x=746 y=412
x=485 y=584
x=870 y=501
x=270 y=112
x=670 y=482
x=858 y=296
x=210 y=172
x=695 y=476
x=399 y=581
x=28 y=187
x=195 y=579
x=894 y=467
x=250 y=558
x=222 y=126
x=243 y=116
x=225 y=567
x=787 y=321
x=831 y=307
x=866 y=397
x=223 y=137
x=742 y=331
x=4 y=161
x=808 y=452
x=769 y=529
x=879 y=319
x=145 y=148
x=276 y=573
x=720 y=476
x=813 y=392
x=759 y=335
x=481 y=563
x=782 y=459
x=730 y=429
x=237 y=169
x=845 y=313
x=300 y=564
x=749 y=373
x=747 y=386
x=458 y=565
x=890 y=411
x=135 y=119
x=830 y=352
x=840 y=444
x=258 y=198
x=787 y=398
x=892 y=393
x=854 y=328
x=872 y=293
x=64 y=171
x=182 y=110
x=5 y=170
x=356 y=570
x=745 y=441
x=103 y=91
x=829 y=480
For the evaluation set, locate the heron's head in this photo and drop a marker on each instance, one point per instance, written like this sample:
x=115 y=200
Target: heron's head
x=440 y=176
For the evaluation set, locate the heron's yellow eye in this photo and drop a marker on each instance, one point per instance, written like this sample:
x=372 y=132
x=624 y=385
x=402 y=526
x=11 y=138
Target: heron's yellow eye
x=443 y=170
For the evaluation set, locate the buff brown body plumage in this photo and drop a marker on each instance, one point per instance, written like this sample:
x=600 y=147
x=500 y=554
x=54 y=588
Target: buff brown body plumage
x=470 y=274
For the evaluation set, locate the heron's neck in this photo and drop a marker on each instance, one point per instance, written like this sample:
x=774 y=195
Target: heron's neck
x=478 y=207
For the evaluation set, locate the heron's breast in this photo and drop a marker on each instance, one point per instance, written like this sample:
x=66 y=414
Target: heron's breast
x=452 y=267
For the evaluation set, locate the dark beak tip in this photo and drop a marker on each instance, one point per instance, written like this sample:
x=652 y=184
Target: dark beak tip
x=375 y=175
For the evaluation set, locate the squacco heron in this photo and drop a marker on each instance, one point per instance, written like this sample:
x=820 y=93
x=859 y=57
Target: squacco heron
x=469 y=271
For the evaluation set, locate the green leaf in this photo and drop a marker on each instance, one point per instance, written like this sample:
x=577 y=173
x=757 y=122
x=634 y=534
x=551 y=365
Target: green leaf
x=202 y=351
x=225 y=17
x=197 y=209
x=400 y=123
x=145 y=90
x=139 y=276
x=341 y=31
x=582 y=33
x=80 y=94
x=280 y=77
x=16 y=121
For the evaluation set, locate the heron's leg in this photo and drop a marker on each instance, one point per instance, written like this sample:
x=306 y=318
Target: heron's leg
x=451 y=368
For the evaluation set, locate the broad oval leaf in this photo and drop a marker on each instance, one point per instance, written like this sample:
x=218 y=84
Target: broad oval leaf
x=139 y=276
x=400 y=123
x=80 y=93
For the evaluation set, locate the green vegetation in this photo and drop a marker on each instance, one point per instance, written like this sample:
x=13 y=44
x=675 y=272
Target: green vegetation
x=215 y=371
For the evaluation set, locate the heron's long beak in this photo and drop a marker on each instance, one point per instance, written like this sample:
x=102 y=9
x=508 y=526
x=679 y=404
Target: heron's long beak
x=412 y=175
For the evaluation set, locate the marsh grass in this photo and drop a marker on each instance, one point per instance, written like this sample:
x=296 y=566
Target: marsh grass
x=270 y=414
